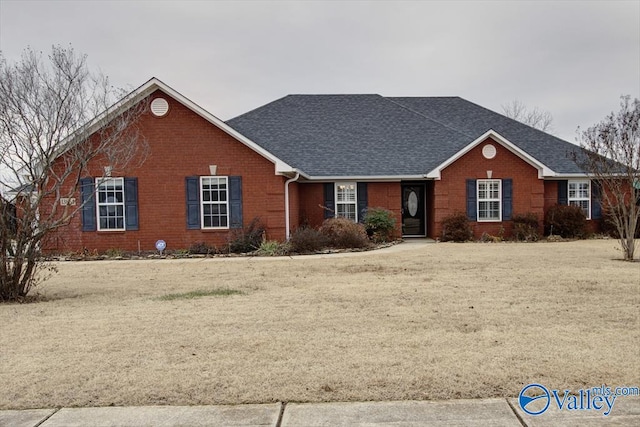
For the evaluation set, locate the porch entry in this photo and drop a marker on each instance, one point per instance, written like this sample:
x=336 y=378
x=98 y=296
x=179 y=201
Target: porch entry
x=414 y=216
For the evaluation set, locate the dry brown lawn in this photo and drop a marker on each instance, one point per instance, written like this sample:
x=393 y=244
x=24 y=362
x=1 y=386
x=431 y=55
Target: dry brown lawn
x=433 y=321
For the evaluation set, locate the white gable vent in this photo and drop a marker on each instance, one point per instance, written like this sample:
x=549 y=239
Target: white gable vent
x=489 y=151
x=159 y=107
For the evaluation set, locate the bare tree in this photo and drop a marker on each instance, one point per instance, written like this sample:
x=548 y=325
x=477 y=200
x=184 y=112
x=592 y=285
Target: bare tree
x=55 y=117
x=612 y=157
x=536 y=118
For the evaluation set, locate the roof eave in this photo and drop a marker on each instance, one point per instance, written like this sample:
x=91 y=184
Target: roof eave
x=153 y=84
x=543 y=170
x=368 y=178
x=281 y=167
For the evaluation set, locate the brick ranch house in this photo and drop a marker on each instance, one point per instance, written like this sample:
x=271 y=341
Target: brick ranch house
x=303 y=158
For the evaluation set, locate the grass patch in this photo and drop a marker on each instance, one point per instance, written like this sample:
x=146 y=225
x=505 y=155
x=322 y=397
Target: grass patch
x=200 y=293
x=417 y=322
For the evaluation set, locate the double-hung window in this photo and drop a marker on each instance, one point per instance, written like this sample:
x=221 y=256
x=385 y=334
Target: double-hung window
x=215 y=201
x=489 y=200
x=580 y=195
x=110 y=195
x=346 y=200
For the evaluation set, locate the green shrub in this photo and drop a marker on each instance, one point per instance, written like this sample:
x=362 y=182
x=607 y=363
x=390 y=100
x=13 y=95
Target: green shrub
x=344 y=233
x=565 y=221
x=456 y=228
x=307 y=239
x=247 y=239
x=201 y=248
x=380 y=224
x=273 y=248
x=526 y=227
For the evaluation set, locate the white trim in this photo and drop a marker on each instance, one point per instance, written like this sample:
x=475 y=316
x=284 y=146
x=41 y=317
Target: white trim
x=287 y=210
x=154 y=84
x=365 y=178
x=543 y=170
x=489 y=199
x=203 y=202
x=580 y=199
x=355 y=198
x=106 y=180
x=281 y=166
x=565 y=176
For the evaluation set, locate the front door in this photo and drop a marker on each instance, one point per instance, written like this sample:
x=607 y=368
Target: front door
x=413 y=210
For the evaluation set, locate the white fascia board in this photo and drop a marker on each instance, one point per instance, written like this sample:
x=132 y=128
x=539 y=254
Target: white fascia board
x=292 y=173
x=154 y=84
x=562 y=176
x=281 y=166
x=368 y=178
x=92 y=126
x=543 y=171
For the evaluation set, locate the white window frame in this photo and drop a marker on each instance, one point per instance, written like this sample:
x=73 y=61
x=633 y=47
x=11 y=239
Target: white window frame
x=218 y=203
x=345 y=203
x=109 y=205
x=577 y=199
x=488 y=199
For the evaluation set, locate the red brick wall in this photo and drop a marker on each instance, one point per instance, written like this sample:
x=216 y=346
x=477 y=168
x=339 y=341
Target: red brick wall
x=183 y=144
x=550 y=194
x=551 y=199
x=311 y=198
x=387 y=195
x=379 y=194
x=449 y=193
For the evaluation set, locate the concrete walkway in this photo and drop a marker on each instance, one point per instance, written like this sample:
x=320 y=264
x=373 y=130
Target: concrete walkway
x=478 y=412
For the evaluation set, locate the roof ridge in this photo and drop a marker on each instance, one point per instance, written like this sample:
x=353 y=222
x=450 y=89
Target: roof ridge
x=504 y=116
x=335 y=94
x=427 y=117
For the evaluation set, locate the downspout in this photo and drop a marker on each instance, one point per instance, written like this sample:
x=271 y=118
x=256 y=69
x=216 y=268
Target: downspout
x=287 y=220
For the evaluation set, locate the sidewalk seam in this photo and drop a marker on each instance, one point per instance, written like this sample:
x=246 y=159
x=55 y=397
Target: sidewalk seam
x=281 y=414
x=516 y=413
x=47 y=417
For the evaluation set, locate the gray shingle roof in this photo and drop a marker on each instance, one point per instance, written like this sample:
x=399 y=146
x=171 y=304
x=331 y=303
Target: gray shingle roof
x=370 y=135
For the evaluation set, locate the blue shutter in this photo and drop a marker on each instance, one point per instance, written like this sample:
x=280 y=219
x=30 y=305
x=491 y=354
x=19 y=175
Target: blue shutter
x=563 y=192
x=235 y=202
x=131 y=203
x=193 y=202
x=362 y=200
x=472 y=208
x=329 y=200
x=596 y=200
x=507 y=199
x=87 y=192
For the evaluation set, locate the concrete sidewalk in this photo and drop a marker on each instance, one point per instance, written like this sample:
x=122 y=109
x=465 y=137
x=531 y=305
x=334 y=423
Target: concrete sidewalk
x=478 y=412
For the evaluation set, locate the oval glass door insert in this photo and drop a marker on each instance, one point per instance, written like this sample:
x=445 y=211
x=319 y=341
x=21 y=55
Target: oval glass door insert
x=412 y=203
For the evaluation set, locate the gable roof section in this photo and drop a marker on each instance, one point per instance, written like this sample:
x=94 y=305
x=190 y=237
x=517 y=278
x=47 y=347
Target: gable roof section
x=474 y=120
x=542 y=169
x=154 y=84
x=370 y=136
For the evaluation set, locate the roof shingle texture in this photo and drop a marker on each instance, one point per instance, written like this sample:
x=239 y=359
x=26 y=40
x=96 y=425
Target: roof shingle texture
x=370 y=135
